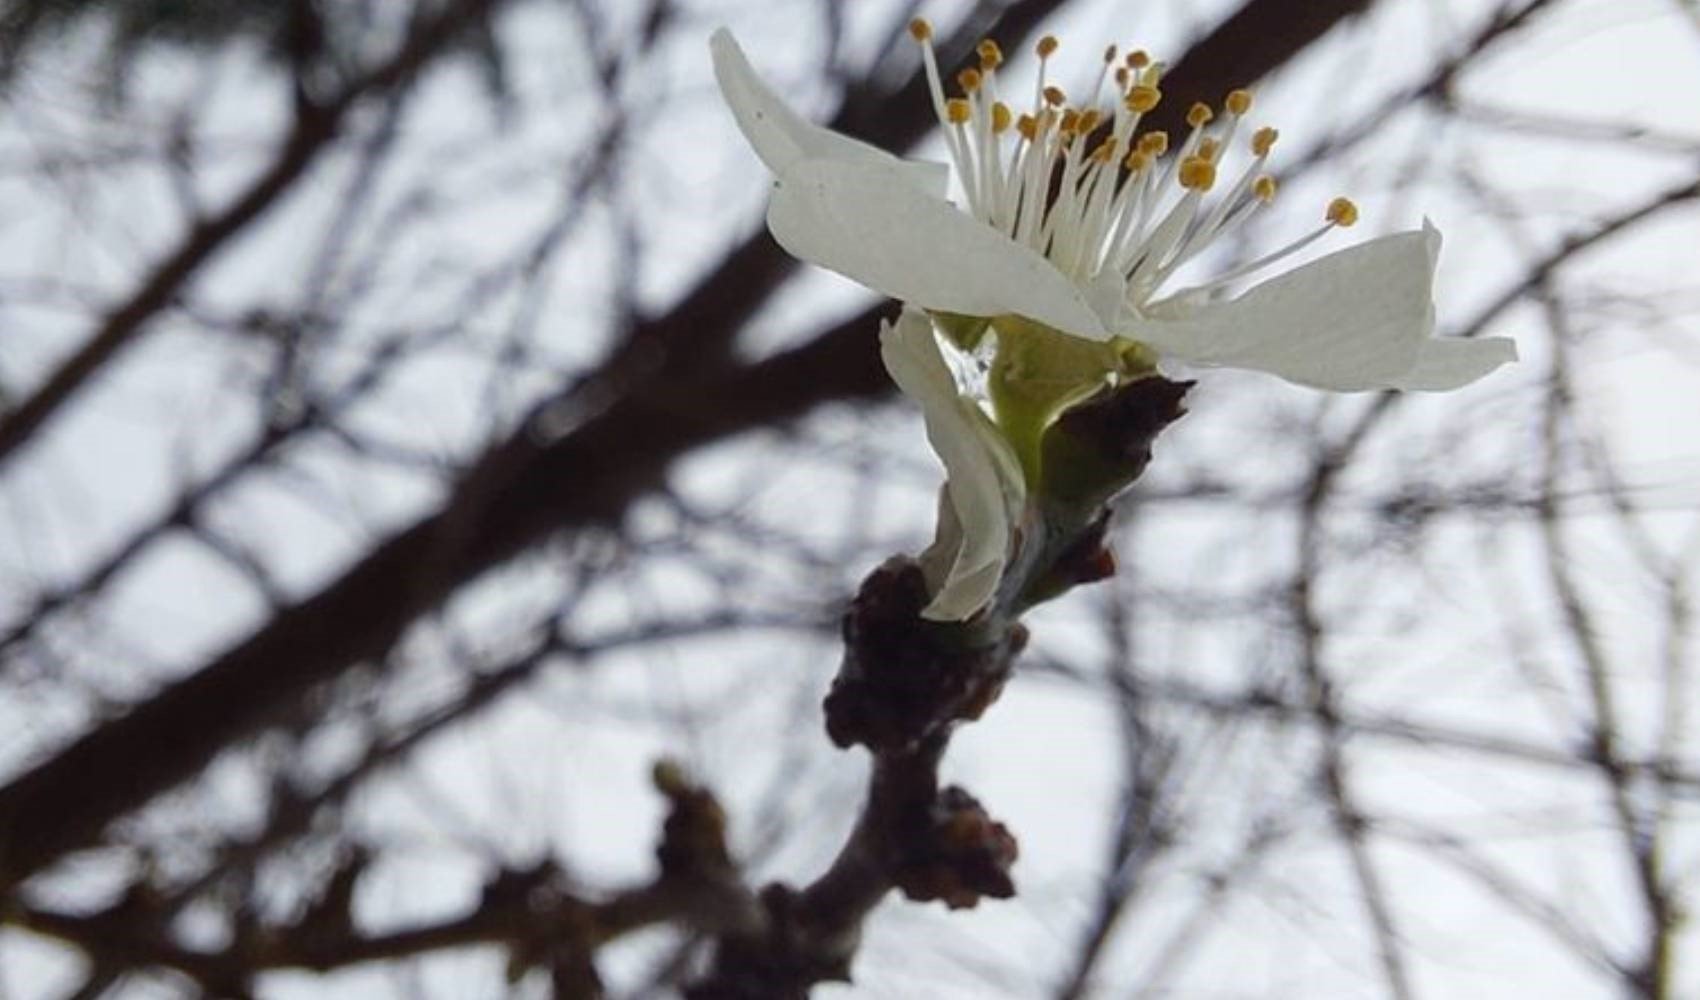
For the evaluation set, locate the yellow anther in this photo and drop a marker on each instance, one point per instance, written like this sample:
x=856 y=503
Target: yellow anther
x=1208 y=148
x=1070 y=121
x=1121 y=77
x=1197 y=174
x=991 y=57
x=921 y=29
x=1000 y=118
x=957 y=111
x=1143 y=98
x=969 y=80
x=1138 y=59
x=1088 y=120
x=1264 y=189
x=1263 y=140
x=1199 y=115
x=1104 y=152
x=1136 y=161
x=1055 y=97
x=1238 y=102
x=1110 y=55
x=1027 y=126
x=1342 y=212
x=1154 y=144
x=1046 y=46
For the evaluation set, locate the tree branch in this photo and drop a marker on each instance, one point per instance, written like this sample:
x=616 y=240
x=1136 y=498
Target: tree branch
x=314 y=129
x=621 y=430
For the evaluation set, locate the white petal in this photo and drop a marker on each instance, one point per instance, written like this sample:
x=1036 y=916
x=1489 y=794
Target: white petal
x=965 y=593
x=959 y=597
x=1105 y=294
x=983 y=481
x=781 y=137
x=937 y=559
x=1450 y=362
x=852 y=219
x=1356 y=319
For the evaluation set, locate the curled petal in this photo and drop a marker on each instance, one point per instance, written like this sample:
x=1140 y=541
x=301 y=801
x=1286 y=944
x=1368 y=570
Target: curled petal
x=781 y=137
x=850 y=218
x=1361 y=318
x=984 y=486
x=959 y=587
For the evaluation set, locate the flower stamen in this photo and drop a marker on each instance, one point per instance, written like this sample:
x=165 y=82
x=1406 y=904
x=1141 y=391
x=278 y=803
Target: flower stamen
x=1091 y=202
x=1263 y=140
x=1342 y=212
x=1142 y=98
x=1197 y=173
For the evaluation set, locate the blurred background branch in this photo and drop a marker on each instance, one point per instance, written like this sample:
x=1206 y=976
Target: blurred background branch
x=408 y=433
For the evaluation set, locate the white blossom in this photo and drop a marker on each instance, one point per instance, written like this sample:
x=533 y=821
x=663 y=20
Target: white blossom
x=1067 y=254
x=1095 y=260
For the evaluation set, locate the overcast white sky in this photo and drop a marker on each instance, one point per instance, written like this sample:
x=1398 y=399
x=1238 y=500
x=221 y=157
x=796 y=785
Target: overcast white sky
x=525 y=781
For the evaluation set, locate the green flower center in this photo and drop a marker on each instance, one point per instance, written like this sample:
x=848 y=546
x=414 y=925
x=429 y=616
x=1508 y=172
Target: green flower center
x=1037 y=373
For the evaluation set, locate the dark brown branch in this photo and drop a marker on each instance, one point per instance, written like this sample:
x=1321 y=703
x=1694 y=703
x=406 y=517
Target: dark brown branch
x=532 y=912
x=519 y=493
x=1505 y=23
x=904 y=684
x=312 y=132
x=1252 y=43
x=1651 y=975
x=624 y=430
x=931 y=843
x=1140 y=827
x=314 y=129
x=1351 y=824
